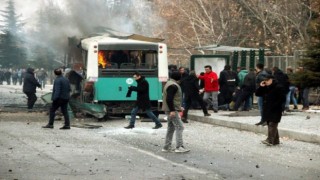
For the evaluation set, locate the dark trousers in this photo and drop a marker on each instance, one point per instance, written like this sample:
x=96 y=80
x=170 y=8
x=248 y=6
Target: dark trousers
x=273 y=134
x=243 y=96
x=197 y=98
x=32 y=98
x=63 y=104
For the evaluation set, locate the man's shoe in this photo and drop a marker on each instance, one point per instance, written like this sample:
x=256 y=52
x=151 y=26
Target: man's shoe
x=168 y=150
x=185 y=120
x=207 y=114
x=157 y=126
x=65 y=127
x=259 y=123
x=295 y=107
x=48 y=126
x=266 y=142
x=181 y=149
x=129 y=126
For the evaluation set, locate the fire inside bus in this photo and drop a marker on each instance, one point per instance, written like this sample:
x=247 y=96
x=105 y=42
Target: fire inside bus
x=109 y=65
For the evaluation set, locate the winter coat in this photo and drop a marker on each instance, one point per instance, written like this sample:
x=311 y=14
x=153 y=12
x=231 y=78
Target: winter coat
x=182 y=79
x=61 y=88
x=211 y=82
x=228 y=81
x=191 y=85
x=273 y=98
x=249 y=82
x=241 y=75
x=282 y=79
x=30 y=83
x=142 y=89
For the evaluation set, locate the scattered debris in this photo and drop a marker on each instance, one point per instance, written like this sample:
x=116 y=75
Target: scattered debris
x=88 y=126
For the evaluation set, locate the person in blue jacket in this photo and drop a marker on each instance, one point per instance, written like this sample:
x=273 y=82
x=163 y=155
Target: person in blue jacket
x=60 y=98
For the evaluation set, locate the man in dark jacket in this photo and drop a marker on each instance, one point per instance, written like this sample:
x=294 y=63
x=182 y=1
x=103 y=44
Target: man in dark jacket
x=192 y=93
x=143 y=101
x=60 y=98
x=261 y=73
x=29 y=88
x=282 y=79
x=247 y=89
x=228 y=82
x=274 y=95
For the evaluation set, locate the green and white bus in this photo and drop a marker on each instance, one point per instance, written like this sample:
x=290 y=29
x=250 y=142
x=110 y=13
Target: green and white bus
x=109 y=64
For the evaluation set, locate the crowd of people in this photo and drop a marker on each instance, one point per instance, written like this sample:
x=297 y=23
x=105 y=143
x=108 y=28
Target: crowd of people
x=16 y=76
x=234 y=91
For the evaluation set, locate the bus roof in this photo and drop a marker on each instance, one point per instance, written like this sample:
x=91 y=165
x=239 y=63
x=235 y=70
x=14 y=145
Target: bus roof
x=106 y=39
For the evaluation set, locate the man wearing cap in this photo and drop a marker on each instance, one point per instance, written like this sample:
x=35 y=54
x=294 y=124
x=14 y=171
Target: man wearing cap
x=274 y=95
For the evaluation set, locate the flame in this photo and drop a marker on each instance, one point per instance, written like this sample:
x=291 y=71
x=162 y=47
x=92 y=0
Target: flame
x=101 y=59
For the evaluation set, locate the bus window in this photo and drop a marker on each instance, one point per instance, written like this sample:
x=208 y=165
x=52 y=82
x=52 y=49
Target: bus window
x=127 y=59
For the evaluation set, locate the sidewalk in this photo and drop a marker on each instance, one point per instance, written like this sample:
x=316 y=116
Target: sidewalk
x=298 y=125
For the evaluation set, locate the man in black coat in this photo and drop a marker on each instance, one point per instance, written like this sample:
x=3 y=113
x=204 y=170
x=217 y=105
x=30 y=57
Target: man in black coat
x=143 y=101
x=60 y=98
x=274 y=95
x=192 y=93
x=29 y=88
x=228 y=82
x=246 y=91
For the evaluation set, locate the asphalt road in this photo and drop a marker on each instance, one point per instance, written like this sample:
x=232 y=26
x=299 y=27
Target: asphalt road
x=111 y=152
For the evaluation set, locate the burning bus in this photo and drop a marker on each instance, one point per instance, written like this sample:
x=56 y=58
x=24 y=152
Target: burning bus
x=109 y=63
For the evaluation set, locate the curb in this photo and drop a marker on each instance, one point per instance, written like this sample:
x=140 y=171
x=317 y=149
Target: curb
x=300 y=136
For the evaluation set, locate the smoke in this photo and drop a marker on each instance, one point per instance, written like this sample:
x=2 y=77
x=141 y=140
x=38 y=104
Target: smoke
x=49 y=23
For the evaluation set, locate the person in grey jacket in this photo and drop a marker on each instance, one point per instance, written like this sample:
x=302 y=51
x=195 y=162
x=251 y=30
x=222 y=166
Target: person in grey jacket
x=30 y=85
x=60 y=98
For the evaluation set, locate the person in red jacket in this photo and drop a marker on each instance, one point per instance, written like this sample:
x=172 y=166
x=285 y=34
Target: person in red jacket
x=211 y=87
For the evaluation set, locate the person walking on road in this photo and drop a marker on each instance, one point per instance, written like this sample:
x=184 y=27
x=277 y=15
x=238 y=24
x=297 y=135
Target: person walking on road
x=60 y=98
x=211 y=87
x=172 y=104
x=274 y=95
x=30 y=85
x=143 y=101
x=192 y=94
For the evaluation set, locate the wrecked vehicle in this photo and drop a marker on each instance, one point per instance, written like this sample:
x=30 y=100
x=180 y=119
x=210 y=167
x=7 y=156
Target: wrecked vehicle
x=108 y=63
